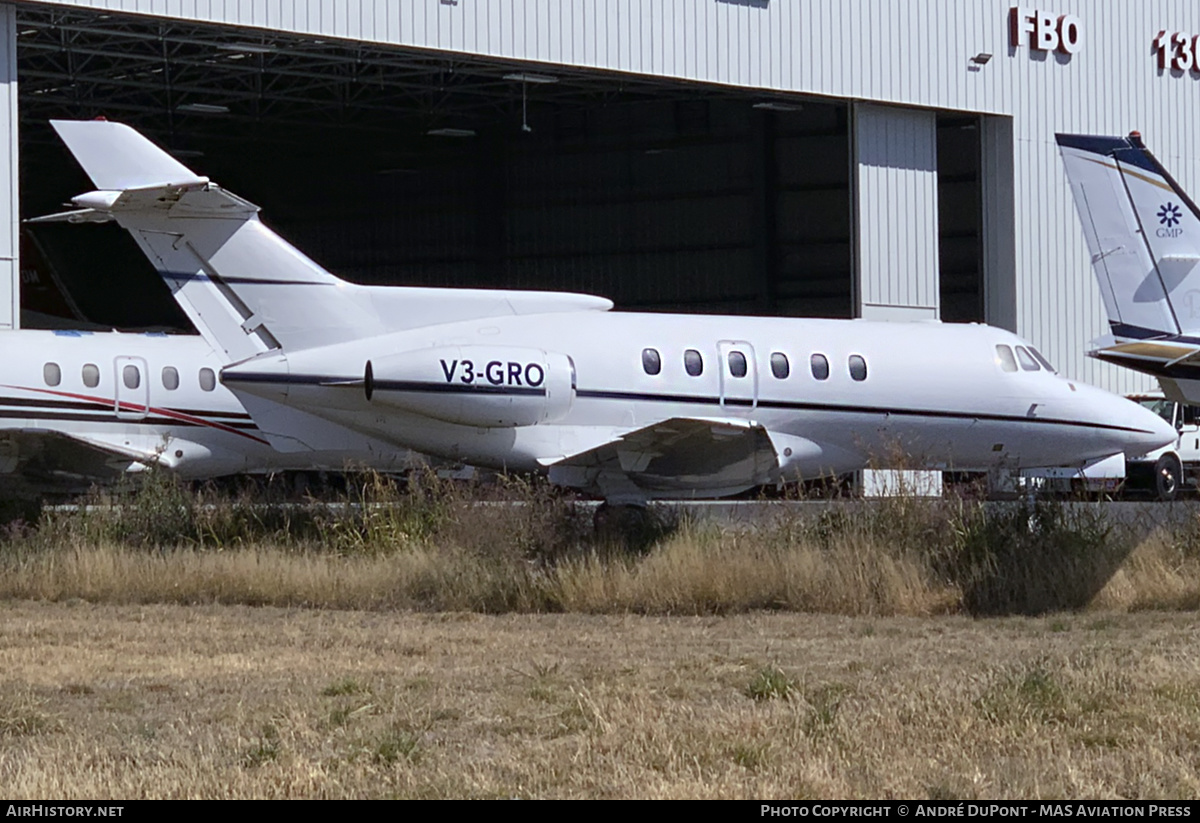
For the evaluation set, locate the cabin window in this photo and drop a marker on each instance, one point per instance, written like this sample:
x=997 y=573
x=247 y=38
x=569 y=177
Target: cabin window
x=131 y=376
x=52 y=374
x=651 y=362
x=858 y=367
x=780 y=366
x=170 y=378
x=91 y=375
x=1045 y=363
x=820 y=366
x=737 y=364
x=1005 y=359
x=1026 y=360
x=208 y=379
x=693 y=363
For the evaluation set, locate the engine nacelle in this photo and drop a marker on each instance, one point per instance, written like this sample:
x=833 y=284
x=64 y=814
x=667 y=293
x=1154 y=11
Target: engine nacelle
x=485 y=386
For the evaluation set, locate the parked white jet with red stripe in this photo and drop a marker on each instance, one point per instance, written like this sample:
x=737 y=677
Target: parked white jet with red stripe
x=80 y=407
x=628 y=406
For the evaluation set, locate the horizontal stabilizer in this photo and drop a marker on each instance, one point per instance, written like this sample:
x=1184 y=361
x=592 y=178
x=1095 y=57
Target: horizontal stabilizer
x=73 y=216
x=116 y=157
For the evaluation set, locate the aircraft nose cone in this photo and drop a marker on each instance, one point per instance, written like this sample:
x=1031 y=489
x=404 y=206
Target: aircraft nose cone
x=1152 y=432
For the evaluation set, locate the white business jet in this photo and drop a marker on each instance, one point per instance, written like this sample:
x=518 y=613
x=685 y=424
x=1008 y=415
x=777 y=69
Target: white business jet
x=1143 y=233
x=626 y=406
x=81 y=407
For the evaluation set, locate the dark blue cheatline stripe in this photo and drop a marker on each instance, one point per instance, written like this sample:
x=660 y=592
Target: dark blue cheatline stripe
x=386 y=385
x=309 y=379
x=208 y=413
x=283 y=379
x=227 y=418
x=1153 y=335
x=100 y=417
x=457 y=388
x=1121 y=148
x=852 y=409
x=12 y=408
x=1094 y=143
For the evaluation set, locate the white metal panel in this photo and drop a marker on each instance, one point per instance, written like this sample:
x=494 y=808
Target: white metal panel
x=996 y=196
x=896 y=203
x=10 y=276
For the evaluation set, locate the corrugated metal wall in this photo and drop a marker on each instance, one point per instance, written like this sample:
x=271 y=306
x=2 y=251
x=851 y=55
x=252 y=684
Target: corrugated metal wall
x=10 y=309
x=914 y=53
x=896 y=199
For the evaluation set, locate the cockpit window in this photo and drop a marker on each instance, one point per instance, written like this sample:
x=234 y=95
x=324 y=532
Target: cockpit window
x=1005 y=359
x=1026 y=360
x=1045 y=363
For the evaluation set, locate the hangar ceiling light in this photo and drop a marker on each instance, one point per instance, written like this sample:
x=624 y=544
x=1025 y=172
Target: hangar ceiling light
x=248 y=48
x=203 y=108
x=525 y=77
x=775 y=105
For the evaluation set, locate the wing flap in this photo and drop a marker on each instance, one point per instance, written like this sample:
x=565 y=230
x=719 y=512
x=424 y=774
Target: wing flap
x=681 y=454
x=46 y=455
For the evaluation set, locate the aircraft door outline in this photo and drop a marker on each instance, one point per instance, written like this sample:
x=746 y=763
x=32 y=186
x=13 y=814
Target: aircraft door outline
x=132 y=393
x=737 y=393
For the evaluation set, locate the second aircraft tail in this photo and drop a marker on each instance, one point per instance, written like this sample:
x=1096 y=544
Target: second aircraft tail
x=1143 y=232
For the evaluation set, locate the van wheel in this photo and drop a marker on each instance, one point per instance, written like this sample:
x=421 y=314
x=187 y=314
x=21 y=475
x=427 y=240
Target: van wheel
x=1167 y=473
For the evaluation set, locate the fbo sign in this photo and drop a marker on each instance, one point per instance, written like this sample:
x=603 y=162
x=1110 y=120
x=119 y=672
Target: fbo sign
x=1043 y=30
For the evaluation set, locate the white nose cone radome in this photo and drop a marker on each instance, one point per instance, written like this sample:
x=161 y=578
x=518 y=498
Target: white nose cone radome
x=1138 y=429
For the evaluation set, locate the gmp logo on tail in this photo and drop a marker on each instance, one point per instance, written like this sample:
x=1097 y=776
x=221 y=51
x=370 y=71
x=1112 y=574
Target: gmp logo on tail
x=1168 y=216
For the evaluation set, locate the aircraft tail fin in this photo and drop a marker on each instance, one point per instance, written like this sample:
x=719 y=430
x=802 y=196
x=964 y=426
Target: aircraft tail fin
x=1143 y=232
x=244 y=288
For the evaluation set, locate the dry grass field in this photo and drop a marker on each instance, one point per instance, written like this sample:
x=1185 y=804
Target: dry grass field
x=414 y=641
x=100 y=701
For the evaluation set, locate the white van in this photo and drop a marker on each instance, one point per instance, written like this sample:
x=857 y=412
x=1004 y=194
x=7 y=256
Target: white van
x=1167 y=472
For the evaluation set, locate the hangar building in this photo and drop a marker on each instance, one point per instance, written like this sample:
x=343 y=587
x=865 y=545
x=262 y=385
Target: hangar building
x=837 y=158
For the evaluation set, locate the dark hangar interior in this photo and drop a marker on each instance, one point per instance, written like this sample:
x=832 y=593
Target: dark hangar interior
x=402 y=166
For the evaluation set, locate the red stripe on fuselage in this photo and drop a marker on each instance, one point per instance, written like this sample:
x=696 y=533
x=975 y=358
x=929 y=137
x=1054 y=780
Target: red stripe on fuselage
x=109 y=403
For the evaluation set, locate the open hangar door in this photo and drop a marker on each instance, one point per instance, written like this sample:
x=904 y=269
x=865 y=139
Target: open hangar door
x=403 y=167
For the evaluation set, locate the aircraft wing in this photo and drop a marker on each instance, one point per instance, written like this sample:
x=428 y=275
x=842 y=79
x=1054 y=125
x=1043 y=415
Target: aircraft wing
x=678 y=455
x=49 y=460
